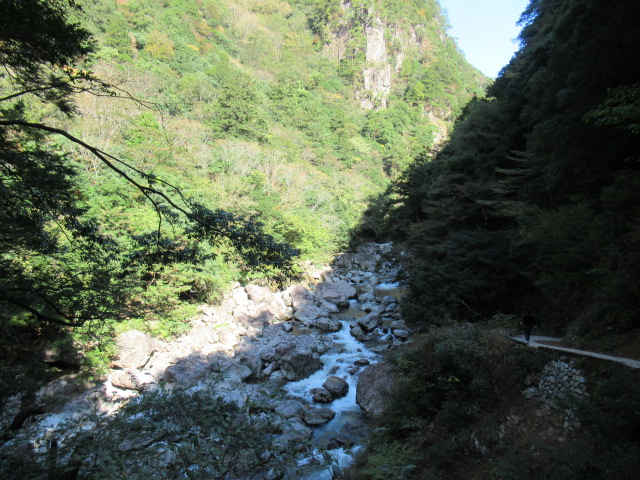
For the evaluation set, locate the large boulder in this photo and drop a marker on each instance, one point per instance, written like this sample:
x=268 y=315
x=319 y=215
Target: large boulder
x=252 y=359
x=318 y=416
x=321 y=395
x=239 y=296
x=308 y=313
x=291 y=409
x=259 y=294
x=134 y=349
x=297 y=356
x=299 y=296
x=369 y=322
x=126 y=379
x=359 y=334
x=235 y=374
x=296 y=433
x=366 y=261
x=336 y=386
x=328 y=325
x=337 y=293
x=375 y=387
x=187 y=372
x=279 y=309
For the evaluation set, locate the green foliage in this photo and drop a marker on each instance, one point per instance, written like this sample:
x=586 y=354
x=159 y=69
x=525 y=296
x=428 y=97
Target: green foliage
x=448 y=383
x=193 y=435
x=526 y=200
x=69 y=256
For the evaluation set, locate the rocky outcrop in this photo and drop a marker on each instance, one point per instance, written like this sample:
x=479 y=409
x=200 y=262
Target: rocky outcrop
x=377 y=72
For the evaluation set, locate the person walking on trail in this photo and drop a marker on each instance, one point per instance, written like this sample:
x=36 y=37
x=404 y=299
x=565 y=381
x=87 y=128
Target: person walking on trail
x=527 y=322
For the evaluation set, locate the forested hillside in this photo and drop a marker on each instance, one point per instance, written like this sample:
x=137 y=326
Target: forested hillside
x=532 y=207
x=533 y=204
x=177 y=147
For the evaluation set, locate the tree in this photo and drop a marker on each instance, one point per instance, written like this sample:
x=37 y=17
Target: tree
x=56 y=265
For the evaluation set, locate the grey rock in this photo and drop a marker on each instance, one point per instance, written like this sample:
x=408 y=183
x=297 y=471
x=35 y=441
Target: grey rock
x=297 y=357
x=358 y=333
x=188 y=372
x=236 y=373
x=369 y=322
x=291 y=409
x=318 y=416
x=321 y=395
x=329 y=307
x=336 y=386
x=134 y=349
x=268 y=354
x=239 y=296
x=300 y=296
x=126 y=379
x=252 y=359
x=391 y=307
x=375 y=386
x=259 y=294
x=328 y=325
x=388 y=299
x=366 y=297
x=295 y=432
x=337 y=293
x=399 y=333
x=307 y=314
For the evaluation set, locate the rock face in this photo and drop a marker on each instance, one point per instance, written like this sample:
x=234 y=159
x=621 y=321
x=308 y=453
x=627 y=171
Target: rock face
x=135 y=349
x=377 y=73
x=374 y=387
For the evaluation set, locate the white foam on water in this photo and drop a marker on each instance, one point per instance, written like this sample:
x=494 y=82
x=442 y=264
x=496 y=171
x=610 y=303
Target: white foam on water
x=343 y=362
x=327 y=467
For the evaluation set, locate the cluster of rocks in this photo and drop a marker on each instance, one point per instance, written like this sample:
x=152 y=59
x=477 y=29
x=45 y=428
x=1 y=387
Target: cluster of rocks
x=558 y=384
x=256 y=341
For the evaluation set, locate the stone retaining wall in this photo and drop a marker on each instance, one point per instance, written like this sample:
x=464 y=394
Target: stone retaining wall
x=558 y=382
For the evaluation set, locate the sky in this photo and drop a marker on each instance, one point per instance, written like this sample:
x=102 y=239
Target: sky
x=485 y=30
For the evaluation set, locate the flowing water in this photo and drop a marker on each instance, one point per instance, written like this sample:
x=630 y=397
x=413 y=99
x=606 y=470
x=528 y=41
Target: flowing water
x=349 y=416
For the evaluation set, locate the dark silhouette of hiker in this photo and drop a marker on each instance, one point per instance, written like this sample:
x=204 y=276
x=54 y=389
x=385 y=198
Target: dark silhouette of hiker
x=527 y=322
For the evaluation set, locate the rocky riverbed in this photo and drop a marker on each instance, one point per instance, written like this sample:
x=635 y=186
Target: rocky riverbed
x=298 y=354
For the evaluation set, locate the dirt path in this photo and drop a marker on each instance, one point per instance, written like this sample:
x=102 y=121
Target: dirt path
x=535 y=339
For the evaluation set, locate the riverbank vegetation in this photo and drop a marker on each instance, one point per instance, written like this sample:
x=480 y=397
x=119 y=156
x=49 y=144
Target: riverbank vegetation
x=459 y=412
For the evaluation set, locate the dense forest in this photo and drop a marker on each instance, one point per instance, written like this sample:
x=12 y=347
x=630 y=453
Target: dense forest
x=154 y=153
x=532 y=207
x=533 y=203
